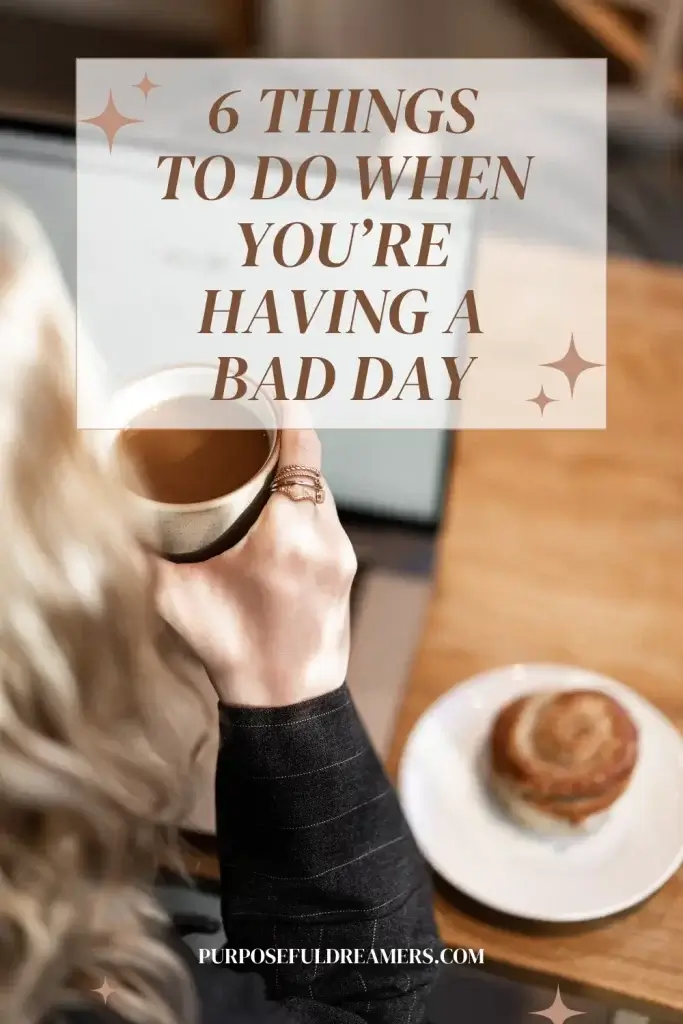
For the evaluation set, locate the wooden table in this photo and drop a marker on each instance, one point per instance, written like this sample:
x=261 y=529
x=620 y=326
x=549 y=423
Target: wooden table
x=568 y=547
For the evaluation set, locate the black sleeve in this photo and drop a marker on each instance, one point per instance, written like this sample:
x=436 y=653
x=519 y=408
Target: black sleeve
x=315 y=854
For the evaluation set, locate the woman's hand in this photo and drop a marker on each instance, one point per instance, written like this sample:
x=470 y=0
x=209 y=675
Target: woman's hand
x=269 y=619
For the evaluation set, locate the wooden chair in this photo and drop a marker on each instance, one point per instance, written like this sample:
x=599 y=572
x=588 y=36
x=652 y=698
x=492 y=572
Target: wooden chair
x=238 y=26
x=653 y=53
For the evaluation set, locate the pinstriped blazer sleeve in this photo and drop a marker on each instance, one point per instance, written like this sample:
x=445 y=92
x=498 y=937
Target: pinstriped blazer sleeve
x=315 y=854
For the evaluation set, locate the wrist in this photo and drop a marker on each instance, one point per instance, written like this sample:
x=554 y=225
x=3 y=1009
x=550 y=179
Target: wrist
x=277 y=692
x=235 y=715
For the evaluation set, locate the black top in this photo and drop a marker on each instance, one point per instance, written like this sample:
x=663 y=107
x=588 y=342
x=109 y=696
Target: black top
x=314 y=854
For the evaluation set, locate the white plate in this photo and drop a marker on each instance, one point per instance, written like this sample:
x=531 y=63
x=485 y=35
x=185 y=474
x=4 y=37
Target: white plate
x=471 y=844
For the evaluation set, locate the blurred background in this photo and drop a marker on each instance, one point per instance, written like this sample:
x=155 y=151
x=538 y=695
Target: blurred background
x=389 y=485
x=642 y=39
x=390 y=488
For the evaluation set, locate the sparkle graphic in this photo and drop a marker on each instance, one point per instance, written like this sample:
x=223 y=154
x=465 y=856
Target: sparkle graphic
x=146 y=85
x=572 y=365
x=557 y=1012
x=542 y=400
x=105 y=990
x=110 y=121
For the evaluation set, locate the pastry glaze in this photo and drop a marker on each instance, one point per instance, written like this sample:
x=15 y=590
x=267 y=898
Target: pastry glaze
x=562 y=759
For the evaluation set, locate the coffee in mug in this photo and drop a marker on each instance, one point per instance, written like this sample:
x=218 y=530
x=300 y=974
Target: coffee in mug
x=189 y=465
x=200 y=469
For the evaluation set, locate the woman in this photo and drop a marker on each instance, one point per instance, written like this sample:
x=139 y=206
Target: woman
x=314 y=851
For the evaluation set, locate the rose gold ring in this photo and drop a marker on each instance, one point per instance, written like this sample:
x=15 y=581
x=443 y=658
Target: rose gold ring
x=293 y=469
x=299 y=483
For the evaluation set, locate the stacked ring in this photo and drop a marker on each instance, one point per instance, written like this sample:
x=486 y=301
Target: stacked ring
x=299 y=483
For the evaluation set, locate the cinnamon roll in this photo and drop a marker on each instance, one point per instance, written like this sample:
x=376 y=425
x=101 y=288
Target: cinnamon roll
x=559 y=761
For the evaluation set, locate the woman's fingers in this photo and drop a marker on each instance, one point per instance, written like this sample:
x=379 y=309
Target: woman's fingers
x=300 y=448
x=311 y=532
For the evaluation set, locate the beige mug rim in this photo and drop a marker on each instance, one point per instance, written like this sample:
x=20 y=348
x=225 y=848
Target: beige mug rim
x=201 y=506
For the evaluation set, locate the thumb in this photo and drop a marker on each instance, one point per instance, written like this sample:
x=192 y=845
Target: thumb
x=169 y=579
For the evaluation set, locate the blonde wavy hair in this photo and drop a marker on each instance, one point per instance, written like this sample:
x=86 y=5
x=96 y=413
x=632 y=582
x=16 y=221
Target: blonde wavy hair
x=90 y=775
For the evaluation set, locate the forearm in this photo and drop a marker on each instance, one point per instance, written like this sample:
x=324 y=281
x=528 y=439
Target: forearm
x=316 y=854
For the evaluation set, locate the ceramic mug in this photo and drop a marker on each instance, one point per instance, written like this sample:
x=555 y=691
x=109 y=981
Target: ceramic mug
x=194 y=532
